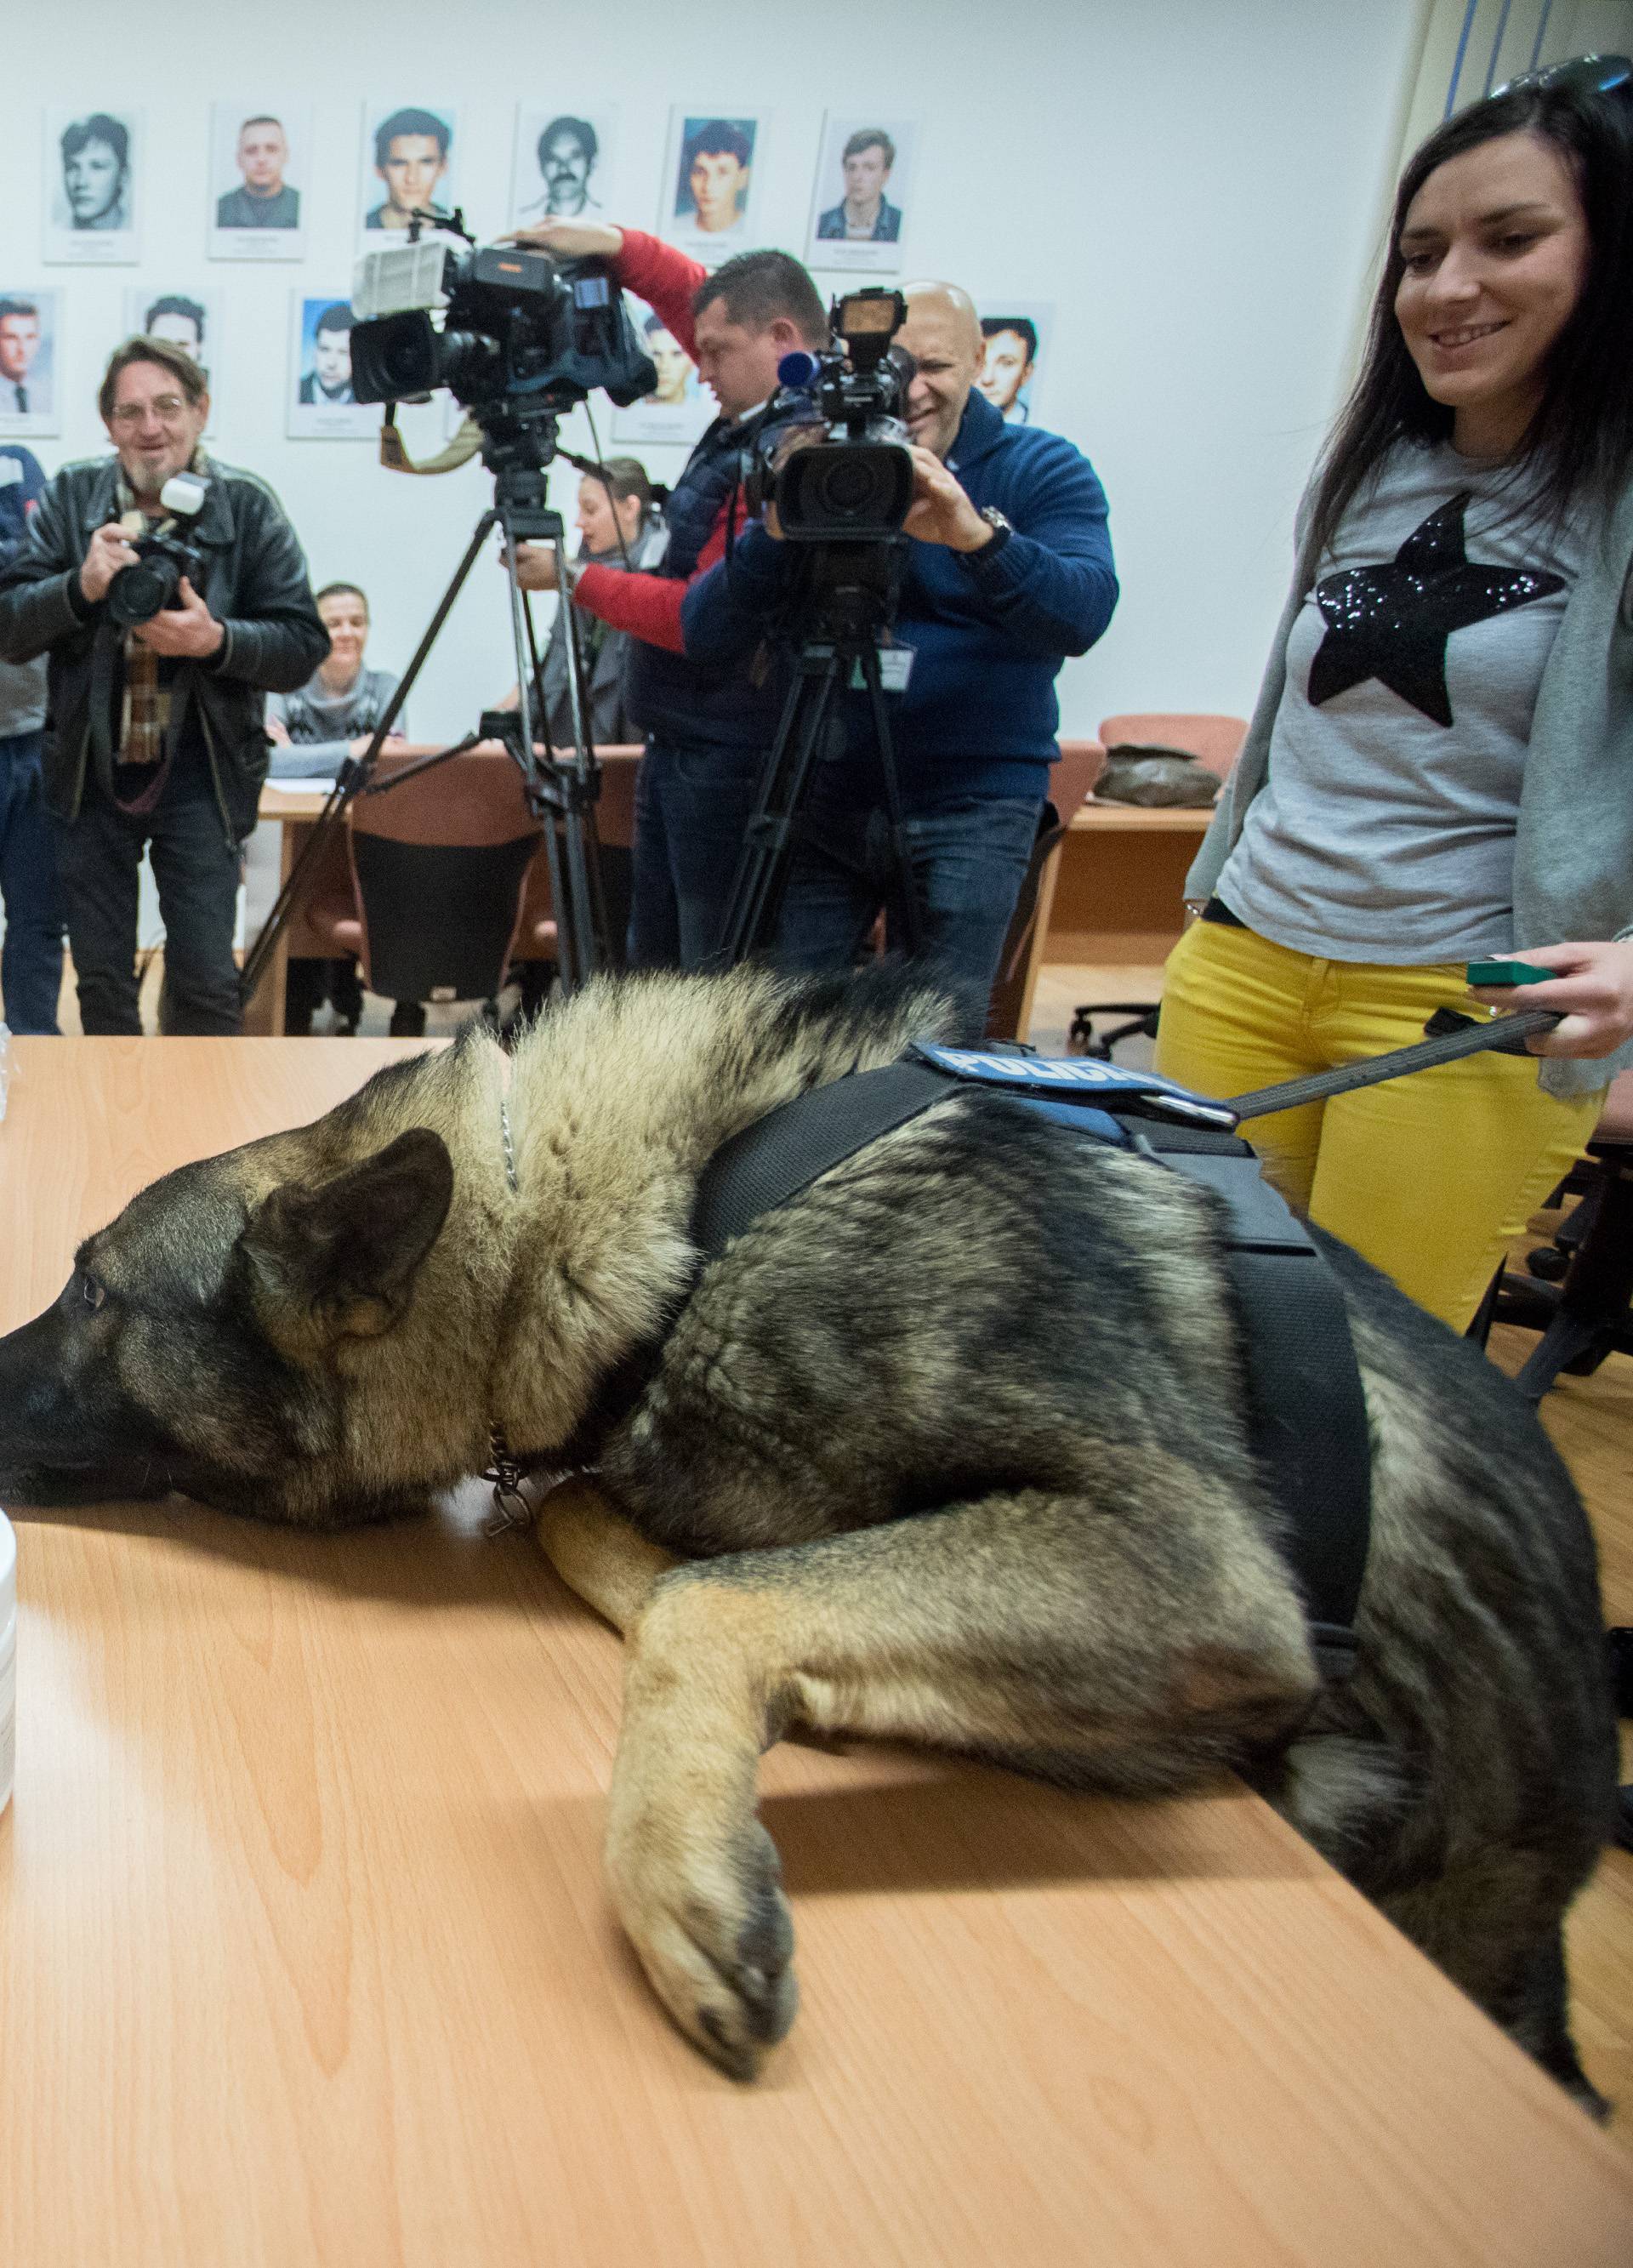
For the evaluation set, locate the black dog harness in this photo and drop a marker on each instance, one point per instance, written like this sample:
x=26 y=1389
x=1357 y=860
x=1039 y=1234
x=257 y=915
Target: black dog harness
x=1306 y=1415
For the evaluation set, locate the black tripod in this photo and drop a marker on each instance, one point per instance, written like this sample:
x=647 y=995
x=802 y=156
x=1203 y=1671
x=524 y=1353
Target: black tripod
x=847 y=600
x=517 y=445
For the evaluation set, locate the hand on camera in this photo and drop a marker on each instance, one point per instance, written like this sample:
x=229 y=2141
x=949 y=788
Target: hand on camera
x=1592 y=992
x=569 y=239
x=110 y=550
x=535 y=566
x=189 y=630
x=940 y=512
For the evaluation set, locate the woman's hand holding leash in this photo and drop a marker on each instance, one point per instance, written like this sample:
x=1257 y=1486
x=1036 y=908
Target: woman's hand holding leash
x=1592 y=993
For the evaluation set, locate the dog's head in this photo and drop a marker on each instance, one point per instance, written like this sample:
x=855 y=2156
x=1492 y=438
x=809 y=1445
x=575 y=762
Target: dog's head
x=226 y=1336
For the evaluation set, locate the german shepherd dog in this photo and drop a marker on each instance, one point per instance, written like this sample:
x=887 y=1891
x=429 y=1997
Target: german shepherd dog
x=950 y=1448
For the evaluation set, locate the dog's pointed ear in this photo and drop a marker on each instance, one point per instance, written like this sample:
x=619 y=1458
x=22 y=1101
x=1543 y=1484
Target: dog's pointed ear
x=343 y=1256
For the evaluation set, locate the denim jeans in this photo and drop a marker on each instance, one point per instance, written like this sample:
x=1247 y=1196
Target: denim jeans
x=30 y=960
x=196 y=870
x=968 y=856
x=691 y=809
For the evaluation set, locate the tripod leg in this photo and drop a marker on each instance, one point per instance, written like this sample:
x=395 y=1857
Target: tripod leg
x=762 y=875
x=912 y=918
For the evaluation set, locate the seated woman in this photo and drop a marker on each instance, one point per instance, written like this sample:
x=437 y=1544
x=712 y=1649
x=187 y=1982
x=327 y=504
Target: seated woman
x=334 y=715
x=1440 y=766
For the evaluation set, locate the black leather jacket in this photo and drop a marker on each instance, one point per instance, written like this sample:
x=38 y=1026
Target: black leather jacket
x=253 y=582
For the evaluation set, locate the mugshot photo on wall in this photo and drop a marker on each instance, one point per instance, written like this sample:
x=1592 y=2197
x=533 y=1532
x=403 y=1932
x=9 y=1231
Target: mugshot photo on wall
x=188 y=318
x=679 y=406
x=565 y=166
x=260 y=156
x=92 y=185
x=321 y=404
x=862 y=193
x=1015 y=341
x=30 y=350
x=710 y=194
x=407 y=166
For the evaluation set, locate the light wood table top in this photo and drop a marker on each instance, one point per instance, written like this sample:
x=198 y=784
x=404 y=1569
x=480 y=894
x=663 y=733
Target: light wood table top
x=307 y=1958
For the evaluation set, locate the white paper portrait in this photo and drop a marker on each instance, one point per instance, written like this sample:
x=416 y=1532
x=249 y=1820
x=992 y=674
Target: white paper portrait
x=1015 y=336
x=321 y=404
x=30 y=353
x=862 y=196
x=259 y=169
x=407 y=165
x=710 y=183
x=679 y=406
x=565 y=164
x=92 y=185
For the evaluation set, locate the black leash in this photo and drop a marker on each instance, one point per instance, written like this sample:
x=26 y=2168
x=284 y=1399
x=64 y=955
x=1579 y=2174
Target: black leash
x=1457 y=1035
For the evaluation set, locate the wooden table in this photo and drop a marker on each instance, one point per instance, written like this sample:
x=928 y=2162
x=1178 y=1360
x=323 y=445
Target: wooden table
x=306 y=1957
x=1120 y=891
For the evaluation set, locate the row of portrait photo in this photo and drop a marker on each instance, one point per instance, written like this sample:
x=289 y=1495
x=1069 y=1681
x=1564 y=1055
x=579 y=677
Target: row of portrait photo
x=321 y=404
x=256 y=202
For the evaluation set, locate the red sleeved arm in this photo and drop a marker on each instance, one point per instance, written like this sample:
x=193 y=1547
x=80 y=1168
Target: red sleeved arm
x=647 y=606
x=663 y=277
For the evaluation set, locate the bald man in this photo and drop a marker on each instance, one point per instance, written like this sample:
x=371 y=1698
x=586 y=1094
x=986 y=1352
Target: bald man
x=1008 y=570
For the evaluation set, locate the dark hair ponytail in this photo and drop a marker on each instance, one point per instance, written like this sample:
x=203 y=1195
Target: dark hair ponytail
x=1578 y=447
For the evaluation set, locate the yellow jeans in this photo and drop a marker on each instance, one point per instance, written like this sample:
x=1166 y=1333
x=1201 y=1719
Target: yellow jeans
x=1427 y=1176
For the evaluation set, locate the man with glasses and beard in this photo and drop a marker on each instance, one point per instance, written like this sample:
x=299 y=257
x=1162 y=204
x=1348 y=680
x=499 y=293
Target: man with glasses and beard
x=155 y=739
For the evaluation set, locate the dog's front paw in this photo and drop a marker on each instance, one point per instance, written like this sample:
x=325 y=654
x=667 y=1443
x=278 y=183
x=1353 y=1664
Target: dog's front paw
x=712 y=1927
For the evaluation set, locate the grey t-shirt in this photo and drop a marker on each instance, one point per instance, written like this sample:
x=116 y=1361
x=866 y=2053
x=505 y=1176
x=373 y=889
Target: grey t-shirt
x=322 y=724
x=1385 y=831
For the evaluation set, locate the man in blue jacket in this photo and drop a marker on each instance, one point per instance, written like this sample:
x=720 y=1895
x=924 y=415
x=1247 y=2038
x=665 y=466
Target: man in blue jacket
x=1009 y=570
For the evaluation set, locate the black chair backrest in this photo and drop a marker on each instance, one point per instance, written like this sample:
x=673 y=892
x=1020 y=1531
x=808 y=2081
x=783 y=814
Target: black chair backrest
x=439 y=919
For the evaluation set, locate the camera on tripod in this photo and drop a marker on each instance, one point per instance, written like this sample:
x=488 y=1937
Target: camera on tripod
x=517 y=328
x=153 y=581
x=854 y=483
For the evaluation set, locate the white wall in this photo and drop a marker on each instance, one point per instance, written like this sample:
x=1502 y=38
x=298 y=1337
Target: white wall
x=1197 y=186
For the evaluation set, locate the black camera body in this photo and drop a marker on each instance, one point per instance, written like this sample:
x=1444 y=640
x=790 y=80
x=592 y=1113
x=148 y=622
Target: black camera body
x=854 y=482
x=153 y=580
x=519 y=327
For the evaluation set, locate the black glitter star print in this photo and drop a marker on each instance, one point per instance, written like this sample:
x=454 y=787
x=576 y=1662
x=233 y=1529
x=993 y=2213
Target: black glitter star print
x=1392 y=622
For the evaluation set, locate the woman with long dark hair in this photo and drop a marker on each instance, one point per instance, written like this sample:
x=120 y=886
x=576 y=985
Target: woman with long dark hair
x=1439 y=769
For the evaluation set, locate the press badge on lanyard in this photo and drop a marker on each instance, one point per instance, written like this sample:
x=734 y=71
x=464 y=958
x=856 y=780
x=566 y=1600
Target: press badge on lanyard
x=895 y=667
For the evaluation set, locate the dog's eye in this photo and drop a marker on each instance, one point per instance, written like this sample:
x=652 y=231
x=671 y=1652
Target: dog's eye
x=93 y=1293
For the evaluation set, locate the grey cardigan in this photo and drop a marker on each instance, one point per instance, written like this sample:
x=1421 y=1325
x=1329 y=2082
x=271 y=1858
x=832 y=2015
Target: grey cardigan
x=1573 y=843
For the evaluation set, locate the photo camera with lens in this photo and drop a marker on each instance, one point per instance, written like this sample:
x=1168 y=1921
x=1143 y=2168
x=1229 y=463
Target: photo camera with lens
x=495 y=325
x=152 y=582
x=853 y=483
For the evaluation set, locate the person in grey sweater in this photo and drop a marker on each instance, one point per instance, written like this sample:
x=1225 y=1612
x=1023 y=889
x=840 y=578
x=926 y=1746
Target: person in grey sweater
x=619 y=526
x=312 y=732
x=1438 y=769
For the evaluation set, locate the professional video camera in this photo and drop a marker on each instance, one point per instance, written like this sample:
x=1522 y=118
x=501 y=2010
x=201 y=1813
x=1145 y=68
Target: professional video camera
x=153 y=579
x=854 y=484
x=517 y=328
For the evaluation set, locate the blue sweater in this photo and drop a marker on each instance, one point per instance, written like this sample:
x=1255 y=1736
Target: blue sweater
x=990 y=628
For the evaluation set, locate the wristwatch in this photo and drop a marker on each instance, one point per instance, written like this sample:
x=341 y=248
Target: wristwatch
x=1001 y=529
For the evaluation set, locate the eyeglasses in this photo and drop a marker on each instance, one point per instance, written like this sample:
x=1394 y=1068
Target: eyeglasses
x=1586 y=74
x=167 y=408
